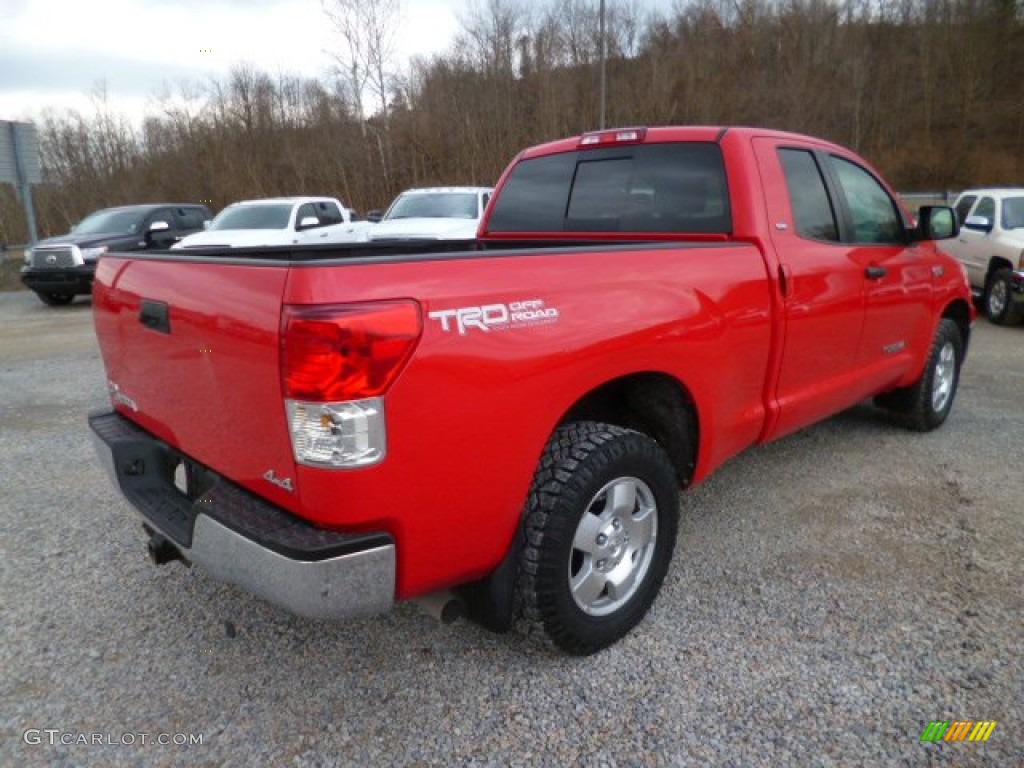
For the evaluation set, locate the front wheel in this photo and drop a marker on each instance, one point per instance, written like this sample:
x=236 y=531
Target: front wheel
x=925 y=404
x=998 y=301
x=55 y=299
x=601 y=524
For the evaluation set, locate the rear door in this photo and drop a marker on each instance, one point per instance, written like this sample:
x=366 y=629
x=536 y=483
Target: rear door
x=822 y=281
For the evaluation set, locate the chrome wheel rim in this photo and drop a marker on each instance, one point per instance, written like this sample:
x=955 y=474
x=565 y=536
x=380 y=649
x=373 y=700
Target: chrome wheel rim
x=997 y=298
x=613 y=546
x=942 y=382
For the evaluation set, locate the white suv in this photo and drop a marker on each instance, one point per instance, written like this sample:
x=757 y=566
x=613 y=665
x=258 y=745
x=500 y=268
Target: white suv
x=991 y=247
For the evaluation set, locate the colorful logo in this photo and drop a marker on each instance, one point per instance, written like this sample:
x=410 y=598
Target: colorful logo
x=958 y=730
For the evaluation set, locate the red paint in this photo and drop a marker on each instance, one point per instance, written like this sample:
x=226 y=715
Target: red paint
x=764 y=336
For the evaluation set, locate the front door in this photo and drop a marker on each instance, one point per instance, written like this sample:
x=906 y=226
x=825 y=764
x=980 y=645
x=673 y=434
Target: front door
x=898 y=286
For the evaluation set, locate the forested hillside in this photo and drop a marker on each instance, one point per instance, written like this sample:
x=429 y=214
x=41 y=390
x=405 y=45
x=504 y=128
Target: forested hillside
x=931 y=91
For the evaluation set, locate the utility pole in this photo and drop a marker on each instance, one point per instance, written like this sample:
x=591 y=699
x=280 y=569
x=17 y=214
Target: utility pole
x=604 y=57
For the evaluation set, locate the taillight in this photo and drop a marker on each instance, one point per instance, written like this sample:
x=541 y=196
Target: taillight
x=336 y=363
x=346 y=351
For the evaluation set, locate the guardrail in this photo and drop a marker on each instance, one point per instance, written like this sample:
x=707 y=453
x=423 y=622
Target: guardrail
x=929 y=198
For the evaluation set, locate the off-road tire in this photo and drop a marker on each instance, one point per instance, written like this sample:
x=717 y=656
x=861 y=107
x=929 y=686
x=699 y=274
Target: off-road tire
x=924 y=405
x=581 y=460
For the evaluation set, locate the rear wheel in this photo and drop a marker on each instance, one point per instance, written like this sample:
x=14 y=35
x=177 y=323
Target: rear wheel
x=55 y=299
x=601 y=524
x=925 y=404
x=998 y=302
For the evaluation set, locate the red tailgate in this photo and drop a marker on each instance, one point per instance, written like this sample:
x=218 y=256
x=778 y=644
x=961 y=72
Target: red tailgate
x=191 y=353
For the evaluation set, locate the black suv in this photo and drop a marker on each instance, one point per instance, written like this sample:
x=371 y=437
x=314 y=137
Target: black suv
x=59 y=268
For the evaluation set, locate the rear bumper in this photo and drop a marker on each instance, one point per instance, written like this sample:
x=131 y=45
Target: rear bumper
x=73 y=280
x=239 y=538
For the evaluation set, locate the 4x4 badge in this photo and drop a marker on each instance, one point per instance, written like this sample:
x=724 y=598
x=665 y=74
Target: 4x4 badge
x=280 y=482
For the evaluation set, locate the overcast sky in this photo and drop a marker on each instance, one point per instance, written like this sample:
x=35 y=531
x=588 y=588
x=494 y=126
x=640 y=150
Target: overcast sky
x=53 y=53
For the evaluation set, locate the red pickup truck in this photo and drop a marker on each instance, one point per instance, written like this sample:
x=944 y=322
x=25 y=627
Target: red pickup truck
x=510 y=421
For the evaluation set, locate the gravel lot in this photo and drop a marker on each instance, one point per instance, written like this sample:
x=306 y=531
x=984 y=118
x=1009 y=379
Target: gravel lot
x=831 y=594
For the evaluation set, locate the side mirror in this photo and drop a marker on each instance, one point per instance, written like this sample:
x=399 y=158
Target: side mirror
x=374 y=215
x=308 y=222
x=982 y=223
x=159 y=226
x=936 y=222
x=206 y=224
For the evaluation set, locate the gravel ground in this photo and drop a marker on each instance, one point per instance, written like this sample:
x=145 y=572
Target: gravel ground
x=831 y=594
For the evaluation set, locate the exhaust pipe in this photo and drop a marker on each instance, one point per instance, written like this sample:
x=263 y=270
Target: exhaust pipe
x=444 y=606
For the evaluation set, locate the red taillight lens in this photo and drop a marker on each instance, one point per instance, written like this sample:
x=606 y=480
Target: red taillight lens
x=346 y=351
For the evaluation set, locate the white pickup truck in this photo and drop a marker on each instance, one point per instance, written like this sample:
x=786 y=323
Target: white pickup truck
x=278 y=221
x=991 y=248
x=432 y=213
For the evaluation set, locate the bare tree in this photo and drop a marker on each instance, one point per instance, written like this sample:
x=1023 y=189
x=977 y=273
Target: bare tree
x=367 y=31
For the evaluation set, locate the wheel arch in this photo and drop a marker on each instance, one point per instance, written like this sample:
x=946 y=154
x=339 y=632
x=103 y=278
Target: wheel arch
x=959 y=312
x=654 y=403
x=995 y=264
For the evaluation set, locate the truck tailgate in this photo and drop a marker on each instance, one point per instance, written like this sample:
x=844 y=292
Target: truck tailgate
x=191 y=354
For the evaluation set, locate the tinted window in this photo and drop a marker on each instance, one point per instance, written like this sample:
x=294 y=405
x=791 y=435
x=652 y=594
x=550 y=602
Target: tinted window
x=873 y=213
x=596 y=203
x=963 y=206
x=1013 y=213
x=813 y=214
x=677 y=187
x=535 y=195
x=190 y=218
x=328 y=212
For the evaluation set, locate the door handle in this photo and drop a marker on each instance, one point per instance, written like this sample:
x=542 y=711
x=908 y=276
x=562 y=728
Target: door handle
x=155 y=315
x=874 y=272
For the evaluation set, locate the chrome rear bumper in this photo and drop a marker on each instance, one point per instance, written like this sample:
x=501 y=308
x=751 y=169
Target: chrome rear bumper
x=239 y=538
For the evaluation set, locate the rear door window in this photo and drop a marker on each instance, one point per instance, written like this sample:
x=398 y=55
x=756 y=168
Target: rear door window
x=189 y=219
x=678 y=187
x=813 y=213
x=328 y=212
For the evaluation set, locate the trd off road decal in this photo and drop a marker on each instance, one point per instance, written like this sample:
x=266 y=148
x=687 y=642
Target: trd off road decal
x=495 y=317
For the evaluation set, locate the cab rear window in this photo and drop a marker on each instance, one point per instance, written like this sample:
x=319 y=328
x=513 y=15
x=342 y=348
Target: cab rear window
x=679 y=187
